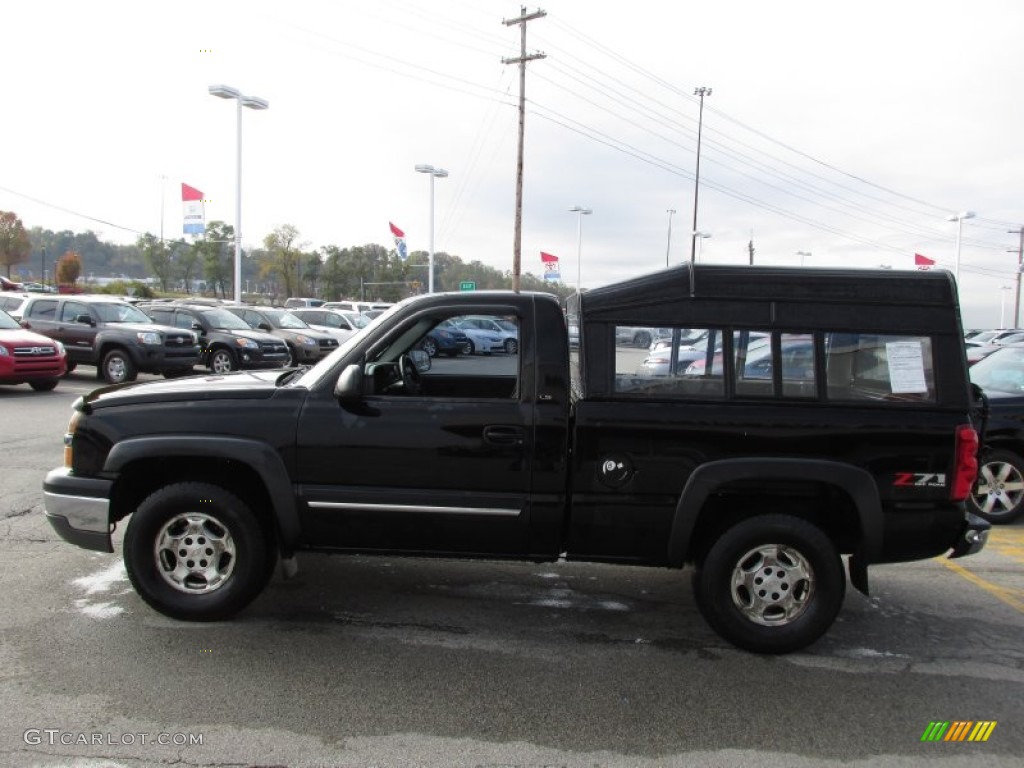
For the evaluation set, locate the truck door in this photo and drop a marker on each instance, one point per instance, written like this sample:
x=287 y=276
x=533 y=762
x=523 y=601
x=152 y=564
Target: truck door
x=444 y=466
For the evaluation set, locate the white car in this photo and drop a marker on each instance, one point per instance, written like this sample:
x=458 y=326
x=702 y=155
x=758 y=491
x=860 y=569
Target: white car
x=479 y=341
x=508 y=330
x=342 y=325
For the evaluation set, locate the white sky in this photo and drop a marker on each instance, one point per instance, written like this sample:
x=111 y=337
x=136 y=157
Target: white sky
x=849 y=131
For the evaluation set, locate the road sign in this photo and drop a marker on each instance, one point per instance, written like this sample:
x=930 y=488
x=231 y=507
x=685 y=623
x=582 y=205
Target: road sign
x=467 y=285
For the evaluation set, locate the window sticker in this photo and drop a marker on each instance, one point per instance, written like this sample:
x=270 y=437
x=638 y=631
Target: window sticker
x=906 y=367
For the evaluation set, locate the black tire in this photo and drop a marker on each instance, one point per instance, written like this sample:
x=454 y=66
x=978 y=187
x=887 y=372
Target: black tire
x=70 y=367
x=771 y=584
x=222 y=361
x=511 y=346
x=293 y=357
x=642 y=339
x=998 y=493
x=430 y=347
x=43 y=385
x=470 y=347
x=174 y=530
x=117 y=367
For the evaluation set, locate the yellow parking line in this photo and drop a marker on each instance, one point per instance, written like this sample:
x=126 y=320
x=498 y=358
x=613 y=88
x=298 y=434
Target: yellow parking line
x=1008 y=542
x=1002 y=593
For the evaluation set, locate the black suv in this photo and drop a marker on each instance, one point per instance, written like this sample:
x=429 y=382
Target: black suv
x=306 y=345
x=228 y=343
x=115 y=336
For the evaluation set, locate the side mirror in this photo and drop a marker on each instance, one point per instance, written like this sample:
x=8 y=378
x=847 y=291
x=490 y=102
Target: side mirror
x=349 y=387
x=197 y=326
x=420 y=359
x=85 y=319
x=264 y=327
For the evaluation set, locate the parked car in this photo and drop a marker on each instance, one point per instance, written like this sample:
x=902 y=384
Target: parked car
x=6 y=284
x=295 y=302
x=357 y=306
x=993 y=337
x=337 y=322
x=444 y=340
x=118 y=338
x=998 y=494
x=228 y=343
x=306 y=345
x=506 y=329
x=29 y=358
x=478 y=340
x=657 y=363
x=13 y=303
x=638 y=337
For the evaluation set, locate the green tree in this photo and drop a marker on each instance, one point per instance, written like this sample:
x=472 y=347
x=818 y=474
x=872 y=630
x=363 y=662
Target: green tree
x=158 y=257
x=214 y=251
x=69 y=268
x=15 y=246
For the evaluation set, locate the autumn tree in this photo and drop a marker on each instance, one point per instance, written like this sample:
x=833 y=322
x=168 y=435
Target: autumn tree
x=69 y=268
x=284 y=257
x=15 y=247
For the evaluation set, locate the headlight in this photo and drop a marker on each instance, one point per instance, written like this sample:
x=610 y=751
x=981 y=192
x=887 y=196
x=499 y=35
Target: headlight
x=247 y=343
x=4 y=351
x=60 y=348
x=149 y=337
x=306 y=341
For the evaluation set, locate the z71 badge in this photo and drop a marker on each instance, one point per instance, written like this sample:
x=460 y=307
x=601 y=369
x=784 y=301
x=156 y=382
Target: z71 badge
x=920 y=480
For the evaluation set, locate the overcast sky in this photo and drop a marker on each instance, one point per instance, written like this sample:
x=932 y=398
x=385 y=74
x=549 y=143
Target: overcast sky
x=847 y=131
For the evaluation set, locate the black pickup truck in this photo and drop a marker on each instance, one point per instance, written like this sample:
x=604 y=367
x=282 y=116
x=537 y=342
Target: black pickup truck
x=829 y=415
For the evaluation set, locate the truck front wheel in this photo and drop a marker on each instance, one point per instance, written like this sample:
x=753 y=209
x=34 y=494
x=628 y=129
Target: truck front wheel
x=195 y=551
x=117 y=367
x=771 y=584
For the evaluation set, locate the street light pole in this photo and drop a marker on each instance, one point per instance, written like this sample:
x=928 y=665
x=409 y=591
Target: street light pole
x=1002 y=304
x=701 y=237
x=802 y=254
x=1020 y=266
x=435 y=173
x=668 y=245
x=252 y=102
x=580 y=213
x=702 y=92
x=959 y=219
x=42 y=267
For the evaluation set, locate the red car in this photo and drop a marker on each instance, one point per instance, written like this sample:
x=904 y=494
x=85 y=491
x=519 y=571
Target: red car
x=7 y=284
x=29 y=358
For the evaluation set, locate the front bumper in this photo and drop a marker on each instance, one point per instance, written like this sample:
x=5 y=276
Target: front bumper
x=78 y=508
x=972 y=538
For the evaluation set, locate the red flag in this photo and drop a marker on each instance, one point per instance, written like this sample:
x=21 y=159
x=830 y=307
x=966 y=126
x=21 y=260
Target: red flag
x=395 y=230
x=923 y=261
x=190 y=193
x=550 y=266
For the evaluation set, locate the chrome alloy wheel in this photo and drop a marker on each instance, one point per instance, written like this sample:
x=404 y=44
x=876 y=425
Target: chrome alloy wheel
x=772 y=585
x=999 y=490
x=195 y=553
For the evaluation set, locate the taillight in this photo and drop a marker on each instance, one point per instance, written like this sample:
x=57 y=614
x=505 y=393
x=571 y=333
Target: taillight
x=966 y=462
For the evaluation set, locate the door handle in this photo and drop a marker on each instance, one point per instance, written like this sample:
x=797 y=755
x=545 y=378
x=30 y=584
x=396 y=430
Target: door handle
x=504 y=435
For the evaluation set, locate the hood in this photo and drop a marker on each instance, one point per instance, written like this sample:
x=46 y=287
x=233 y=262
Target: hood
x=23 y=338
x=252 y=385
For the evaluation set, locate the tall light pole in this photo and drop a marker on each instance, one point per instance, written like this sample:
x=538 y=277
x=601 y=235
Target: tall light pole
x=701 y=237
x=42 y=267
x=702 y=92
x=802 y=254
x=668 y=245
x=959 y=219
x=435 y=173
x=1020 y=266
x=580 y=213
x=252 y=102
x=1002 y=304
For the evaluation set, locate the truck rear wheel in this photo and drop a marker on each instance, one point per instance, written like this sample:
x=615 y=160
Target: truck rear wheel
x=998 y=494
x=771 y=584
x=195 y=551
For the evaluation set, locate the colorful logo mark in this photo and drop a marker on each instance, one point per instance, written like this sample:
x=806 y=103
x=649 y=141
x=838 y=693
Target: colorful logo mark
x=959 y=730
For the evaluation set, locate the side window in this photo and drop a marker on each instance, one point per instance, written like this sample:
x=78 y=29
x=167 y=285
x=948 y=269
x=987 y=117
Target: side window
x=880 y=367
x=183 y=320
x=45 y=309
x=757 y=358
x=679 y=362
x=459 y=360
x=71 y=310
x=161 y=316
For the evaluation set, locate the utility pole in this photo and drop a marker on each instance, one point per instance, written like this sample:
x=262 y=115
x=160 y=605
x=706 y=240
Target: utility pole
x=668 y=245
x=1020 y=266
x=517 y=247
